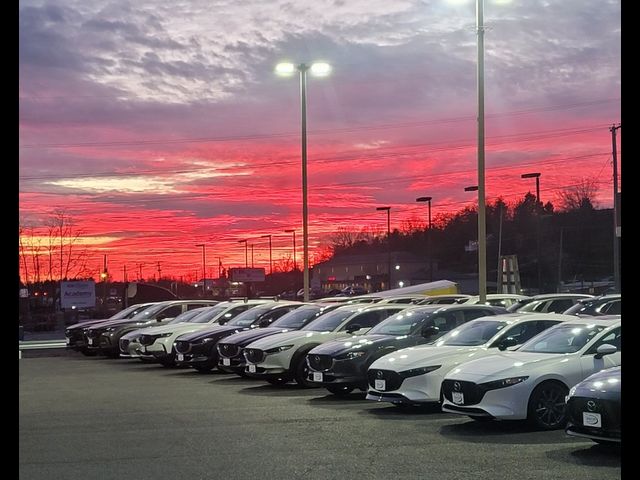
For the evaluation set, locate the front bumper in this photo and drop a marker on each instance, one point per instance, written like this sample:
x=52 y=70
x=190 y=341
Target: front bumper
x=600 y=420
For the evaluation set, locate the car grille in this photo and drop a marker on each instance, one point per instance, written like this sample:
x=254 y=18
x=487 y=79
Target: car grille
x=228 y=350
x=93 y=333
x=75 y=334
x=147 y=339
x=472 y=392
x=254 y=355
x=320 y=362
x=182 y=346
x=392 y=379
x=608 y=409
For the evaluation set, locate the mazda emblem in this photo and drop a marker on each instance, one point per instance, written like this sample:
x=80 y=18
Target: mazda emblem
x=379 y=374
x=592 y=406
x=456 y=386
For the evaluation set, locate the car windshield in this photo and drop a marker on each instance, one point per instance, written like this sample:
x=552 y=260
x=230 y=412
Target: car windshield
x=476 y=332
x=186 y=316
x=524 y=305
x=581 y=307
x=149 y=312
x=128 y=312
x=329 y=321
x=298 y=317
x=564 y=338
x=208 y=314
x=248 y=317
x=402 y=323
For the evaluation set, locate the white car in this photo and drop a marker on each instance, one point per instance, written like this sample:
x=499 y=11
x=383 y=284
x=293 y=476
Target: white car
x=496 y=299
x=532 y=382
x=281 y=357
x=414 y=375
x=129 y=343
x=157 y=342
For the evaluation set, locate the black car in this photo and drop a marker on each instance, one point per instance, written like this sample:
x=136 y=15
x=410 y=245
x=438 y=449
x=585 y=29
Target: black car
x=75 y=334
x=605 y=305
x=593 y=407
x=230 y=350
x=198 y=349
x=104 y=337
x=341 y=365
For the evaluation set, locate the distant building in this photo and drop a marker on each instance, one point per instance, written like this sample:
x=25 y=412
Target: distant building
x=371 y=271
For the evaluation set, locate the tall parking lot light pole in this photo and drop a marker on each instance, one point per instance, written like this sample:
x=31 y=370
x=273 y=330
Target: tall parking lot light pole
x=617 y=228
x=204 y=270
x=270 y=260
x=318 y=69
x=428 y=199
x=482 y=213
x=388 y=210
x=246 y=253
x=535 y=175
x=295 y=265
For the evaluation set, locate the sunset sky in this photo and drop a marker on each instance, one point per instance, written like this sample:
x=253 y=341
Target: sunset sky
x=160 y=125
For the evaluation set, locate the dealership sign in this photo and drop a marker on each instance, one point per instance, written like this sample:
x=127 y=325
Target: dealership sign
x=78 y=294
x=247 y=274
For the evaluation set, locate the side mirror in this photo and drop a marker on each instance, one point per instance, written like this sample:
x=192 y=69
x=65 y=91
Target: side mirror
x=506 y=343
x=353 y=328
x=160 y=317
x=605 y=349
x=264 y=323
x=430 y=331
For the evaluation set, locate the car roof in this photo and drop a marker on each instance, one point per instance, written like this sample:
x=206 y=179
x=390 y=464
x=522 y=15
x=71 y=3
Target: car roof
x=605 y=320
x=545 y=296
x=517 y=317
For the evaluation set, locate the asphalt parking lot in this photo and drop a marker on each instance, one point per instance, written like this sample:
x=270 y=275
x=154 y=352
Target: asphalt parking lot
x=98 y=418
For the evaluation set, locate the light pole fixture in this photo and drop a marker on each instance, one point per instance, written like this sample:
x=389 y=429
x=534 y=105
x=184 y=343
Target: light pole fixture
x=204 y=270
x=428 y=199
x=319 y=69
x=295 y=265
x=473 y=188
x=535 y=175
x=246 y=253
x=388 y=210
x=270 y=260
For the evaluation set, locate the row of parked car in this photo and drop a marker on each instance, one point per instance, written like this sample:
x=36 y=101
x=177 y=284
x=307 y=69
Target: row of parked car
x=511 y=358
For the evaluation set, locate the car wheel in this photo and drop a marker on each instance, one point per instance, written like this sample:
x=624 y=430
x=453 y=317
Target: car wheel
x=546 y=409
x=203 y=368
x=302 y=370
x=167 y=362
x=340 y=389
x=89 y=353
x=278 y=381
x=146 y=360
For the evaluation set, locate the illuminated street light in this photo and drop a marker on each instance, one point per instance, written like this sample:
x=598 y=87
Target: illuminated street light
x=320 y=69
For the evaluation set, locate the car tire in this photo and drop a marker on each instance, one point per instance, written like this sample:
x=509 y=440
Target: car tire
x=203 y=368
x=278 y=381
x=167 y=362
x=89 y=353
x=340 y=389
x=546 y=408
x=301 y=372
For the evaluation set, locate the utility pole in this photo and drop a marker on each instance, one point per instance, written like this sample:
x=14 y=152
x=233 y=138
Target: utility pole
x=499 y=282
x=617 y=229
x=159 y=271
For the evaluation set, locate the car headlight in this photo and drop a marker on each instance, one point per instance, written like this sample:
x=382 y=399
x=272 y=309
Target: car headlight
x=281 y=348
x=572 y=392
x=419 y=371
x=505 y=382
x=207 y=340
x=351 y=355
x=164 y=335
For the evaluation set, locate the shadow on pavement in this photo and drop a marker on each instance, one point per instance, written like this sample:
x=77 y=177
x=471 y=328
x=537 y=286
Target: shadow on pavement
x=591 y=454
x=390 y=410
x=502 y=432
x=287 y=390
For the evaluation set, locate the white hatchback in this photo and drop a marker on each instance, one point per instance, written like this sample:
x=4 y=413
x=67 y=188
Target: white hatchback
x=532 y=382
x=414 y=375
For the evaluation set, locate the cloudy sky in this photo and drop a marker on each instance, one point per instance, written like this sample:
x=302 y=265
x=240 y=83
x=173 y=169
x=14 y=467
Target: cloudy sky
x=160 y=125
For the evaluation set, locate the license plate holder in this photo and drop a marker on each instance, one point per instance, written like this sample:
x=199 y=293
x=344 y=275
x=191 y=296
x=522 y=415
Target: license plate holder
x=457 y=398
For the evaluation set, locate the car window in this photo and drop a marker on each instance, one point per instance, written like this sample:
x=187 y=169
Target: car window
x=474 y=313
x=402 y=323
x=567 y=338
x=191 y=306
x=612 y=308
x=329 y=321
x=365 y=320
x=559 y=305
x=170 y=312
x=614 y=337
x=523 y=331
x=476 y=332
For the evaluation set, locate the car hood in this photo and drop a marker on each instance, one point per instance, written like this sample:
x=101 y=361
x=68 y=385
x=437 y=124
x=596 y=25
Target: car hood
x=510 y=364
x=245 y=338
x=293 y=336
x=603 y=384
x=359 y=343
x=176 y=328
x=212 y=331
x=135 y=333
x=126 y=321
x=427 y=355
x=87 y=323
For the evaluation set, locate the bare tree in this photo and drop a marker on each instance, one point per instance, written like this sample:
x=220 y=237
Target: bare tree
x=412 y=224
x=580 y=195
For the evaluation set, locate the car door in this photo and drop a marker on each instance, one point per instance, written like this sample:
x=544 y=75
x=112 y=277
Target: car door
x=588 y=361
